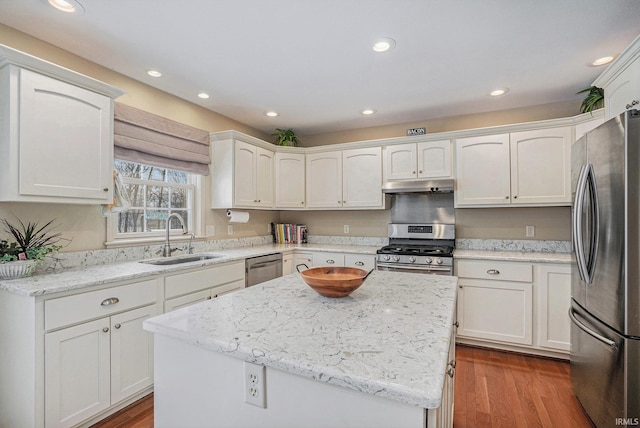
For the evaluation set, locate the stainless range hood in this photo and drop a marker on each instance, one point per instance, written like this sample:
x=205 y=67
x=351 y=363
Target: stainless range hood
x=419 y=186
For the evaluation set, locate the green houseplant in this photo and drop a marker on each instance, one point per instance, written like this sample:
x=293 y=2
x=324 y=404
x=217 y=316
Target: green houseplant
x=31 y=244
x=285 y=137
x=593 y=100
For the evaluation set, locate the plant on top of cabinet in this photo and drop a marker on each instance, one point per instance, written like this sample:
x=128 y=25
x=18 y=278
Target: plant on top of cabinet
x=32 y=243
x=593 y=100
x=285 y=137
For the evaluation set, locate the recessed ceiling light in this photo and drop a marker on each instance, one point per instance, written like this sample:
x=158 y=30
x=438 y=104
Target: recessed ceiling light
x=271 y=114
x=69 y=6
x=203 y=95
x=498 y=92
x=602 y=61
x=154 y=73
x=384 y=44
x=368 y=111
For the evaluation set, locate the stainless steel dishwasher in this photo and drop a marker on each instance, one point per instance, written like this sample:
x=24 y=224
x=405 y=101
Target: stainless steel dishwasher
x=262 y=268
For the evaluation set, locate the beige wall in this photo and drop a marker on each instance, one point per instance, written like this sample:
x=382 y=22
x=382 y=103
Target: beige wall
x=87 y=228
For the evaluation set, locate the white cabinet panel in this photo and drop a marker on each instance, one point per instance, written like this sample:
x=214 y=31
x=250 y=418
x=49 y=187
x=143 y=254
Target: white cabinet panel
x=290 y=180
x=554 y=300
x=434 y=159
x=324 y=180
x=428 y=159
x=328 y=259
x=253 y=176
x=400 y=162
x=362 y=178
x=362 y=261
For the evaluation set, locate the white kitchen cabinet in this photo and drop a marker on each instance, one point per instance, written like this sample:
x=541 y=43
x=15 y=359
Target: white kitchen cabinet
x=94 y=364
x=253 y=176
x=302 y=259
x=429 y=159
x=554 y=300
x=56 y=133
x=362 y=261
x=350 y=179
x=187 y=288
x=324 y=179
x=621 y=82
x=290 y=180
x=528 y=168
x=287 y=264
x=328 y=259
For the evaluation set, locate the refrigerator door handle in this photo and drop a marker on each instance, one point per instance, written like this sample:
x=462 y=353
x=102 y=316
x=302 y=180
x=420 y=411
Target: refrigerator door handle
x=590 y=332
x=576 y=222
x=595 y=224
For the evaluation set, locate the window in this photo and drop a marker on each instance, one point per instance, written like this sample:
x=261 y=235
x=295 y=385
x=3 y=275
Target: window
x=155 y=192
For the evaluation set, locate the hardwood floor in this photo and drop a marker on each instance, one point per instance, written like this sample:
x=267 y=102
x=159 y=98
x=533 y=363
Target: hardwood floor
x=493 y=389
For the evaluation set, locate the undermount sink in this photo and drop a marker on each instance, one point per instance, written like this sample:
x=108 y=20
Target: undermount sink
x=180 y=259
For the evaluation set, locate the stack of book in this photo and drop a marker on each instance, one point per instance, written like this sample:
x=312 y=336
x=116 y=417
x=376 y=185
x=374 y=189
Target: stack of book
x=286 y=233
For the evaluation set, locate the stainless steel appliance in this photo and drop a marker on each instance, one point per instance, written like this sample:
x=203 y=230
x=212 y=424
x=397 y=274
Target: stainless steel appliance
x=262 y=268
x=421 y=248
x=605 y=287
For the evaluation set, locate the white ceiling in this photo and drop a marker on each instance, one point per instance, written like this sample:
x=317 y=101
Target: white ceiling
x=311 y=60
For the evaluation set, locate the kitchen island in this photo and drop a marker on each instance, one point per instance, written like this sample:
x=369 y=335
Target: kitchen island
x=379 y=357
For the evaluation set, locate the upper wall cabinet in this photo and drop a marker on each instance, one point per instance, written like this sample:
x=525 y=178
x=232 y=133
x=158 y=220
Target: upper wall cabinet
x=621 y=82
x=349 y=179
x=56 y=133
x=430 y=159
x=241 y=175
x=529 y=168
x=290 y=179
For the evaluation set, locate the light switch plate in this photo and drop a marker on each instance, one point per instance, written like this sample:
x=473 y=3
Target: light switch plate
x=530 y=231
x=210 y=230
x=230 y=229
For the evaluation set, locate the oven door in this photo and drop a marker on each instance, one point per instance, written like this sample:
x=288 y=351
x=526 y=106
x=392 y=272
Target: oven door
x=432 y=270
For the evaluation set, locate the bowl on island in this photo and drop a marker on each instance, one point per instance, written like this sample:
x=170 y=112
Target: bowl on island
x=334 y=281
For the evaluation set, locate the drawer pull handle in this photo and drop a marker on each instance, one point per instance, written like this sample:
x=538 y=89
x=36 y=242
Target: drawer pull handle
x=493 y=272
x=106 y=329
x=456 y=324
x=451 y=372
x=452 y=363
x=110 y=301
x=330 y=261
x=117 y=326
x=359 y=263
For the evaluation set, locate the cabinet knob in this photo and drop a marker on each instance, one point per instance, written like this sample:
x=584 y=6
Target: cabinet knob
x=110 y=301
x=451 y=372
x=419 y=172
x=106 y=329
x=515 y=197
x=117 y=326
x=456 y=324
x=506 y=197
x=105 y=189
x=302 y=203
x=452 y=363
x=359 y=263
x=330 y=261
x=493 y=272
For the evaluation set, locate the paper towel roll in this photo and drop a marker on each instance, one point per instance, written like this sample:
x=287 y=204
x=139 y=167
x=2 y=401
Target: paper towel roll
x=237 y=216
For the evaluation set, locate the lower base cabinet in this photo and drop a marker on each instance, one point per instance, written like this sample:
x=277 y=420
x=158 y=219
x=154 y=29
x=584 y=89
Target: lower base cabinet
x=362 y=261
x=91 y=366
x=514 y=305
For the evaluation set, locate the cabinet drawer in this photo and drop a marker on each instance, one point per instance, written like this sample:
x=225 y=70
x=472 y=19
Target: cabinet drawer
x=496 y=270
x=95 y=304
x=185 y=283
x=362 y=261
x=328 y=259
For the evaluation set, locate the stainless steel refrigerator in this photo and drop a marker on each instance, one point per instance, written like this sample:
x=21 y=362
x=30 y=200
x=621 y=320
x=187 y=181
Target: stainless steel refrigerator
x=605 y=279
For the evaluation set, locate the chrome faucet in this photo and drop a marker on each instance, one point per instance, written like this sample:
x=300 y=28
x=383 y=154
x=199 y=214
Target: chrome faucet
x=166 y=252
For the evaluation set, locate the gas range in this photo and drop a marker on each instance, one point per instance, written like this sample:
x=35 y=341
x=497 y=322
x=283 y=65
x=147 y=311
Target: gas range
x=423 y=248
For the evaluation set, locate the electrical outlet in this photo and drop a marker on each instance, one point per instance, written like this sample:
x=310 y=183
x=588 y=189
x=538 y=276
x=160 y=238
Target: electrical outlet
x=210 y=230
x=346 y=228
x=230 y=229
x=255 y=385
x=530 y=231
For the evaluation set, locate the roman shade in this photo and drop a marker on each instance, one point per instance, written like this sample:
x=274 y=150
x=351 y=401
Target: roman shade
x=143 y=137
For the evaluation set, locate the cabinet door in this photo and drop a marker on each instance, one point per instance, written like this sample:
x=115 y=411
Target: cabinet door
x=66 y=141
x=290 y=180
x=622 y=91
x=554 y=300
x=495 y=310
x=541 y=167
x=434 y=159
x=482 y=170
x=189 y=299
x=77 y=362
x=302 y=259
x=287 y=264
x=324 y=180
x=245 y=173
x=362 y=261
x=400 y=162
x=131 y=353
x=328 y=259
x=362 y=178
x=264 y=178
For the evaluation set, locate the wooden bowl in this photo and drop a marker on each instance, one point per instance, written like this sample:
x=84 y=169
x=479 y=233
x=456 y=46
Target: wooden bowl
x=334 y=281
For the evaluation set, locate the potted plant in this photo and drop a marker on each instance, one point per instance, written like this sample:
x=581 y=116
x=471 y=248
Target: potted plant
x=285 y=137
x=594 y=99
x=32 y=243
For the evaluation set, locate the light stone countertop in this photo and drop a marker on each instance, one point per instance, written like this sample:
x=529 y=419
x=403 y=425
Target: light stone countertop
x=515 y=256
x=389 y=338
x=78 y=278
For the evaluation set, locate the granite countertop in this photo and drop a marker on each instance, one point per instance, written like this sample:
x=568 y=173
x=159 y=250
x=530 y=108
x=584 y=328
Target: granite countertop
x=77 y=278
x=516 y=256
x=389 y=338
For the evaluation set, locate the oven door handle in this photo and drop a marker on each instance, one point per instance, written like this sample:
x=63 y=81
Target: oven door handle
x=423 y=268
